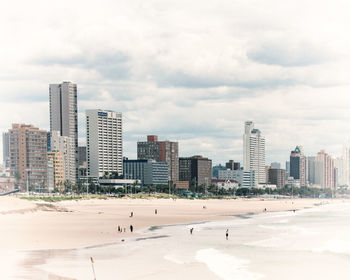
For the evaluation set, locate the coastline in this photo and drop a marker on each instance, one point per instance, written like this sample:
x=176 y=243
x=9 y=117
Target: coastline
x=76 y=224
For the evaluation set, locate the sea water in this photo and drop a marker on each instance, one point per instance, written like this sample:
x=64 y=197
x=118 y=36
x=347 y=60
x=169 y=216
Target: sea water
x=306 y=244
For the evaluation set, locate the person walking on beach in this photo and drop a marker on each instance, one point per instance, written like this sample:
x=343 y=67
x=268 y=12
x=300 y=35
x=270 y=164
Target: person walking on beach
x=131 y=228
x=227 y=234
x=118 y=228
x=191 y=230
x=131 y=214
x=156 y=211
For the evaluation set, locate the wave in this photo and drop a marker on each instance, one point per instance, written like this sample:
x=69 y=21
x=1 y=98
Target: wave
x=334 y=246
x=225 y=266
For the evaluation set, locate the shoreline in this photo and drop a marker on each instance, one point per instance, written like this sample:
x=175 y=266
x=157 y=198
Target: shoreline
x=81 y=224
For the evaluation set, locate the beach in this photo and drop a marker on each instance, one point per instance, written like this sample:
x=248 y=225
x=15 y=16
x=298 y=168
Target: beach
x=37 y=225
x=57 y=240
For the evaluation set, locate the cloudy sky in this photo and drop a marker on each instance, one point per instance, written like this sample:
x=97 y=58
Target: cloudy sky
x=191 y=71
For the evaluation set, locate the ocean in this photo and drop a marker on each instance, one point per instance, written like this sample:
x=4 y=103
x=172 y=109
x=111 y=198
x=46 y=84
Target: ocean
x=307 y=244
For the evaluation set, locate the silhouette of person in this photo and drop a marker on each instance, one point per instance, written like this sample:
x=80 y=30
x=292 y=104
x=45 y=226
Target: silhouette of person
x=227 y=234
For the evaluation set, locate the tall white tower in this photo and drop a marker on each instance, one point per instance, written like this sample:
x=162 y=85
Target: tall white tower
x=104 y=142
x=64 y=115
x=254 y=152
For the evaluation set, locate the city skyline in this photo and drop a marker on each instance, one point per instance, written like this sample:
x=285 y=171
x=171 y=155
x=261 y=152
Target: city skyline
x=195 y=83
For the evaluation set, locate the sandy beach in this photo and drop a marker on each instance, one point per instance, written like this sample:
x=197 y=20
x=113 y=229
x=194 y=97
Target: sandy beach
x=36 y=225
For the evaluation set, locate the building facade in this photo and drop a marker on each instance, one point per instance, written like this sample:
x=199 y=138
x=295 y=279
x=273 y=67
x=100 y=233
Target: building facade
x=28 y=155
x=245 y=179
x=196 y=170
x=163 y=151
x=5 y=149
x=66 y=146
x=298 y=166
x=277 y=177
x=254 y=152
x=150 y=172
x=55 y=179
x=327 y=169
x=64 y=115
x=104 y=149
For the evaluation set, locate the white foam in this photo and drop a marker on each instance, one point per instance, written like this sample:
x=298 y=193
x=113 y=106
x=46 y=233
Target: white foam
x=334 y=246
x=225 y=266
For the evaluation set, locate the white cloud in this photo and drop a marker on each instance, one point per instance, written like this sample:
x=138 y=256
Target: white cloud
x=191 y=71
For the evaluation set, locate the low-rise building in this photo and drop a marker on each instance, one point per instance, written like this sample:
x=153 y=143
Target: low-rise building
x=245 y=179
x=149 y=172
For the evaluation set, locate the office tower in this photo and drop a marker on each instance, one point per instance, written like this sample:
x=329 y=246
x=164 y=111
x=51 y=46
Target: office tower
x=165 y=151
x=149 y=171
x=346 y=163
x=104 y=147
x=28 y=155
x=55 y=178
x=232 y=165
x=298 y=166
x=339 y=165
x=195 y=169
x=64 y=114
x=66 y=146
x=327 y=170
x=277 y=177
x=5 y=149
x=254 y=152
x=315 y=171
x=287 y=167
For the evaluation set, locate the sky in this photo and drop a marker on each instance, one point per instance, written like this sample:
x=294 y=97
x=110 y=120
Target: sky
x=188 y=71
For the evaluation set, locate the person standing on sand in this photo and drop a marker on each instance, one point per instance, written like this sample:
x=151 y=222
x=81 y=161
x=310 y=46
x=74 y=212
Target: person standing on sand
x=156 y=211
x=227 y=234
x=131 y=228
x=131 y=214
x=118 y=228
x=191 y=230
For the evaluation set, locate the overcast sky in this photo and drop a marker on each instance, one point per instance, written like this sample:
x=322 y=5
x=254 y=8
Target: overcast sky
x=191 y=71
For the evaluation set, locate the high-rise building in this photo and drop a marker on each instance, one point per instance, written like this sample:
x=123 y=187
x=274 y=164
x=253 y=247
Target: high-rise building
x=287 y=166
x=315 y=171
x=165 y=151
x=339 y=165
x=64 y=114
x=328 y=169
x=104 y=147
x=5 y=149
x=195 y=169
x=254 y=152
x=346 y=163
x=55 y=177
x=28 y=155
x=232 y=165
x=298 y=165
x=277 y=177
x=66 y=146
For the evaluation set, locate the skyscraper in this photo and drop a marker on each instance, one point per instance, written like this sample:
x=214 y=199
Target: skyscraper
x=327 y=170
x=298 y=165
x=28 y=155
x=104 y=147
x=254 y=152
x=5 y=148
x=64 y=114
x=346 y=164
x=167 y=151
